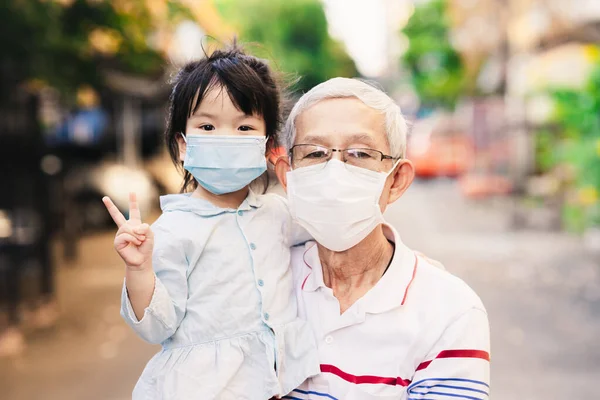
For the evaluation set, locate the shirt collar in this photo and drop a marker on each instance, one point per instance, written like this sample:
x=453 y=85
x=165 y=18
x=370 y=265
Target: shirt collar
x=204 y=208
x=252 y=201
x=314 y=279
x=389 y=292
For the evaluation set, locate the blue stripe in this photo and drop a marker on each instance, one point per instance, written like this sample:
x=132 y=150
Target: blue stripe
x=450 y=387
x=413 y=386
x=460 y=396
x=315 y=393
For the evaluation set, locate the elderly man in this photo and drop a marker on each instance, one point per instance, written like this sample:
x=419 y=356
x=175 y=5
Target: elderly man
x=389 y=323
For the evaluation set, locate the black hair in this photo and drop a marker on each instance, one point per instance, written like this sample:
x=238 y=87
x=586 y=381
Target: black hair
x=249 y=82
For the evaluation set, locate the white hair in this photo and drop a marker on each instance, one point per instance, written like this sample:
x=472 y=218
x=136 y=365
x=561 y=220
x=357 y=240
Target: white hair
x=336 y=88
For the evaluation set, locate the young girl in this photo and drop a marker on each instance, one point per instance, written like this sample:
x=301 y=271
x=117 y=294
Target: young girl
x=211 y=280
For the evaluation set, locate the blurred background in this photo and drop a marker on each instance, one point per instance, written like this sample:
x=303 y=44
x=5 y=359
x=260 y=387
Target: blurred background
x=503 y=98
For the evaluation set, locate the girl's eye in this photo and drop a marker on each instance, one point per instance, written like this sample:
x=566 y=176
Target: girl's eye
x=245 y=128
x=207 y=127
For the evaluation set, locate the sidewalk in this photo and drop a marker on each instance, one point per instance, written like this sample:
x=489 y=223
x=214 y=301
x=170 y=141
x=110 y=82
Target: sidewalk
x=90 y=354
x=541 y=290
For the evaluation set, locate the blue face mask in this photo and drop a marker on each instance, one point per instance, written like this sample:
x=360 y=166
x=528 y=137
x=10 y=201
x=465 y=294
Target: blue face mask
x=225 y=164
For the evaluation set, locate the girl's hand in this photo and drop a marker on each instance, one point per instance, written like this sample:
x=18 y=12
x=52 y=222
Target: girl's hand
x=134 y=240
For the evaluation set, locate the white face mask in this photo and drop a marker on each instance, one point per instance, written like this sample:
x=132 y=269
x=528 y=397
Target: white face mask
x=337 y=204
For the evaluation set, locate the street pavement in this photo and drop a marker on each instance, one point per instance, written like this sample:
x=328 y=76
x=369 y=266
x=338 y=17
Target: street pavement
x=542 y=293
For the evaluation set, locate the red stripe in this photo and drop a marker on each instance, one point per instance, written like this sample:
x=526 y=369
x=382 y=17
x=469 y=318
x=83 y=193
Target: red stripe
x=304 y=259
x=411 y=280
x=305 y=280
x=359 y=379
x=484 y=355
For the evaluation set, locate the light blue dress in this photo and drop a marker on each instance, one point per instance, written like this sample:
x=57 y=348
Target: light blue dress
x=223 y=307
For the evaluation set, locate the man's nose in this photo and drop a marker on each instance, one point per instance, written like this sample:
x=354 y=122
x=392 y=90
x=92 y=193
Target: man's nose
x=337 y=154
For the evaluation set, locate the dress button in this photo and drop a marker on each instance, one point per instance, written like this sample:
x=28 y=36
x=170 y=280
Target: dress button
x=240 y=213
x=261 y=282
x=266 y=316
x=252 y=246
x=329 y=340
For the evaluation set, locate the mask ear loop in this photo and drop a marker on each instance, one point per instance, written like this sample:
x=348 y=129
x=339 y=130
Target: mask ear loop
x=395 y=165
x=184 y=138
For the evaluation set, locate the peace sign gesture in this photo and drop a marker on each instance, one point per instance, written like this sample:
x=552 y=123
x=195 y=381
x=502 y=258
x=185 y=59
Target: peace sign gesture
x=134 y=240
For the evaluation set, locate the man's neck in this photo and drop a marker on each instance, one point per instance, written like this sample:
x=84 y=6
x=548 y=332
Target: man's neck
x=228 y=200
x=352 y=273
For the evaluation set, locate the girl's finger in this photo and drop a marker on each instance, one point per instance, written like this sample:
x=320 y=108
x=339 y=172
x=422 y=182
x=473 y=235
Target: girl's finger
x=127 y=228
x=142 y=229
x=125 y=239
x=114 y=211
x=134 y=211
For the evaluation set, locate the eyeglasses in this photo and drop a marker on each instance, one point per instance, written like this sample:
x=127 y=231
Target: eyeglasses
x=306 y=155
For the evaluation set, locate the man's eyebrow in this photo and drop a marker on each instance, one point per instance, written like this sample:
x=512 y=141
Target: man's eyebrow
x=317 y=139
x=352 y=138
x=361 y=137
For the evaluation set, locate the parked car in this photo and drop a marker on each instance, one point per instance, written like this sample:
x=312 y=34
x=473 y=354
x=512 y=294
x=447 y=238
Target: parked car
x=439 y=148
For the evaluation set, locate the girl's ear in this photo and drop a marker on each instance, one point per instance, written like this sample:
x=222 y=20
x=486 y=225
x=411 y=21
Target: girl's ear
x=271 y=144
x=182 y=145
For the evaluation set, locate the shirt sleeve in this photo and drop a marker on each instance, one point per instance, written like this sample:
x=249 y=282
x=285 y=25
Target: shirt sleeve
x=295 y=234
x=298 y=235
x=167 y=307
x=458 y=365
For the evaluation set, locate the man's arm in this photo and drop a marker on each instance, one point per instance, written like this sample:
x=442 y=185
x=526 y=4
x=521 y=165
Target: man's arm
x=458 y=365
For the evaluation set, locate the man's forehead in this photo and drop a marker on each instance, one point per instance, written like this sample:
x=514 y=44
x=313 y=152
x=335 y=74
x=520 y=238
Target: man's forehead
x=340 y=116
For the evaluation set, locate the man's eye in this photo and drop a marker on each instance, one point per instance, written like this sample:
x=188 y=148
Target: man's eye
x=207 y=127
x=360 y=154
x=316 y=154
x=245 y=128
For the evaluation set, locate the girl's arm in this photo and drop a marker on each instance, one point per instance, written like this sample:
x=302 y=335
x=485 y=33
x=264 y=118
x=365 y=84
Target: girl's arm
x=134 y=242
x=155 y=315
x=151 y=274
x=139 y=285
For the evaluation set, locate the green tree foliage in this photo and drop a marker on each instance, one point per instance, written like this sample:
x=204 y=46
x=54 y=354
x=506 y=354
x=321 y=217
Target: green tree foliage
x=576 y=144
x=577 y=113
x=292 y=33
x=437 y=72
x=54 y=41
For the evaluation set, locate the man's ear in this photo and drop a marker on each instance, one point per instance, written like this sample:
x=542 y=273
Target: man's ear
x=402 y=177
x=282 y=166
x=182 y=145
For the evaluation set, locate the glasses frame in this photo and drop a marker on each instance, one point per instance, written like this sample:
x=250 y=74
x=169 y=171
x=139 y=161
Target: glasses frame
x=332 y=150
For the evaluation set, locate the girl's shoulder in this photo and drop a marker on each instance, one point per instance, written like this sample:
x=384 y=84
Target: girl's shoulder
x=274 y=204
x=180 y=211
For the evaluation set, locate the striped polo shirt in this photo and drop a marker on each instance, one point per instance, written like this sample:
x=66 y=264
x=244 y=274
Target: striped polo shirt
x=419 y=333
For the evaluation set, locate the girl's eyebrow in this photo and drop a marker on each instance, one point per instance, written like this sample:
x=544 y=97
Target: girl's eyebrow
x=248 y=116
x=203 y=114
x=240 y=117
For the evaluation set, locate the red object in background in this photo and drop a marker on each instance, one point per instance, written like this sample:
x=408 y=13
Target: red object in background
x=484 y=185
x=437 y=149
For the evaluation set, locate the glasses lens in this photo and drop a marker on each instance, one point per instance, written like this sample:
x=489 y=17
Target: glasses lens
x=364 y=158
x=306 y=155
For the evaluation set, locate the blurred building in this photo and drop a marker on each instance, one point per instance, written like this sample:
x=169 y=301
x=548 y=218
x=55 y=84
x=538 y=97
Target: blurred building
x=61 y=153
x=515 y=48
